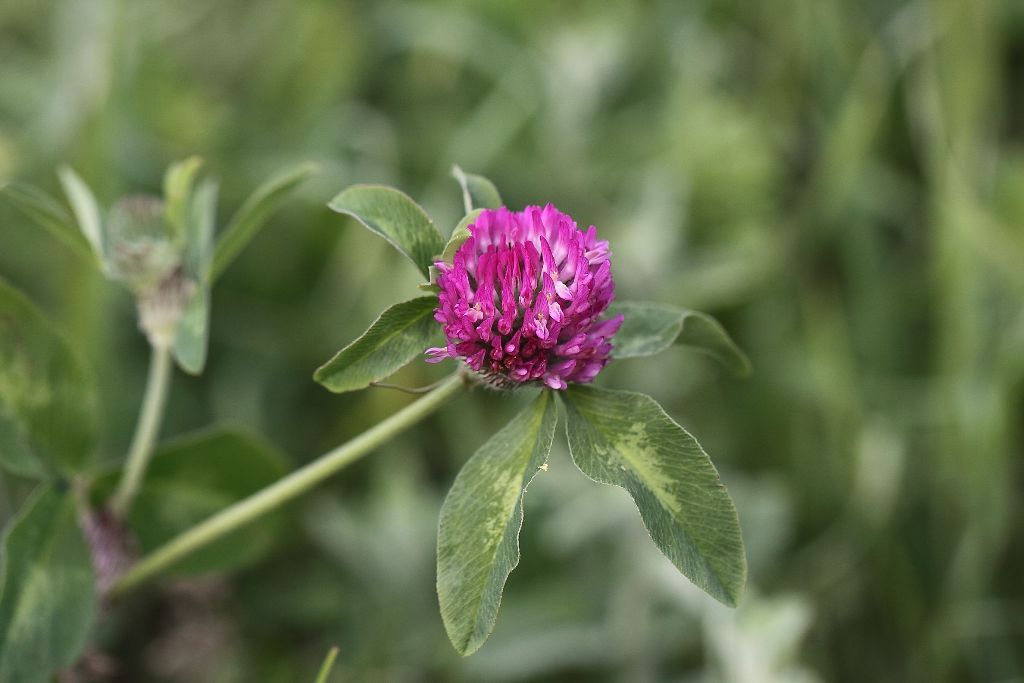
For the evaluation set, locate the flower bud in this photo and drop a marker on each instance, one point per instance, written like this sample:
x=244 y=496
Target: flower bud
x=162 y=306
x=145 y=254
x=141 y=249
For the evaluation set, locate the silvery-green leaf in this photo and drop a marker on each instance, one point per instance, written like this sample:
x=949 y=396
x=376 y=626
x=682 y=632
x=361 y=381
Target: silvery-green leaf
x=86 y=210
x=178 y=183
x=47 y=400
x=477 y=191
x=400 y=334
x=650 y=328
x=47 y=597
x=254 y=213
x=478 y=533
x=395 y=217
x=49 y=214
x=626 y=439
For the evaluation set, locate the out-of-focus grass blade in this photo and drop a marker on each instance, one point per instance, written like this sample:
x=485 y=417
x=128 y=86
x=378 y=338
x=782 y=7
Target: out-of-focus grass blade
x=325 y=670
x=49 y=214
x=86 y=210
x=254 y=213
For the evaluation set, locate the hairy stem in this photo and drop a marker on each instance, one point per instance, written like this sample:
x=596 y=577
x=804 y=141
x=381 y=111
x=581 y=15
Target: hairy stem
x=146 y=431
x=293 y=485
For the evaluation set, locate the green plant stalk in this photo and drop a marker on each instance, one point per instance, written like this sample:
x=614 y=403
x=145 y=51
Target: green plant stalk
x=291 y=486
x=325 y=670
x=146 y=431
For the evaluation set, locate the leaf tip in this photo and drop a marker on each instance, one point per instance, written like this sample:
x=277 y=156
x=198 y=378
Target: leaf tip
x=190 y=368
x=466 y=644
x=337 y=202
x=320 y=374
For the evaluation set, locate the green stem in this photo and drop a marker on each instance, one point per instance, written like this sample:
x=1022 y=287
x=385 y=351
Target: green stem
x=325 y=669
x=146 y=431
x=291 y=486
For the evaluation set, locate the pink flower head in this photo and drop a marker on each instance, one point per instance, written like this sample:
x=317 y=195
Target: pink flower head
x=522 y=298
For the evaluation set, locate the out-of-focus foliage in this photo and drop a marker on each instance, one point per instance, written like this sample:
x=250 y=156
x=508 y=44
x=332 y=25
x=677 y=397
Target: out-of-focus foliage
x=840 y=182
x=47 y=402
x=192 y=478
x=49 y=589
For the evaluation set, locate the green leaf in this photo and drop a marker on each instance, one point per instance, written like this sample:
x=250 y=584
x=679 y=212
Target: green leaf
x=395 y=217
x=459 y=235
x=86 y=210
x=47 y=400
x=199 y=227
x=252 y=215
x=49 y=214
x=650 y=328
x=400 y=334
x=178 y=183
x=193 y=477
x=16 y=452
x=478 y=533
x=431 y=284
x=192 y=336
x=48 y=597
x=626 y=439
x=477 y=191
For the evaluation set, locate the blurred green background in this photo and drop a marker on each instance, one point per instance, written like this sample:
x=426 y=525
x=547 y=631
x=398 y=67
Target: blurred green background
x=841 y=182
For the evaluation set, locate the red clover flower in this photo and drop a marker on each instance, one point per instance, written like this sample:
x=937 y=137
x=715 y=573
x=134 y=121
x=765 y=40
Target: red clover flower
x=523 y=297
